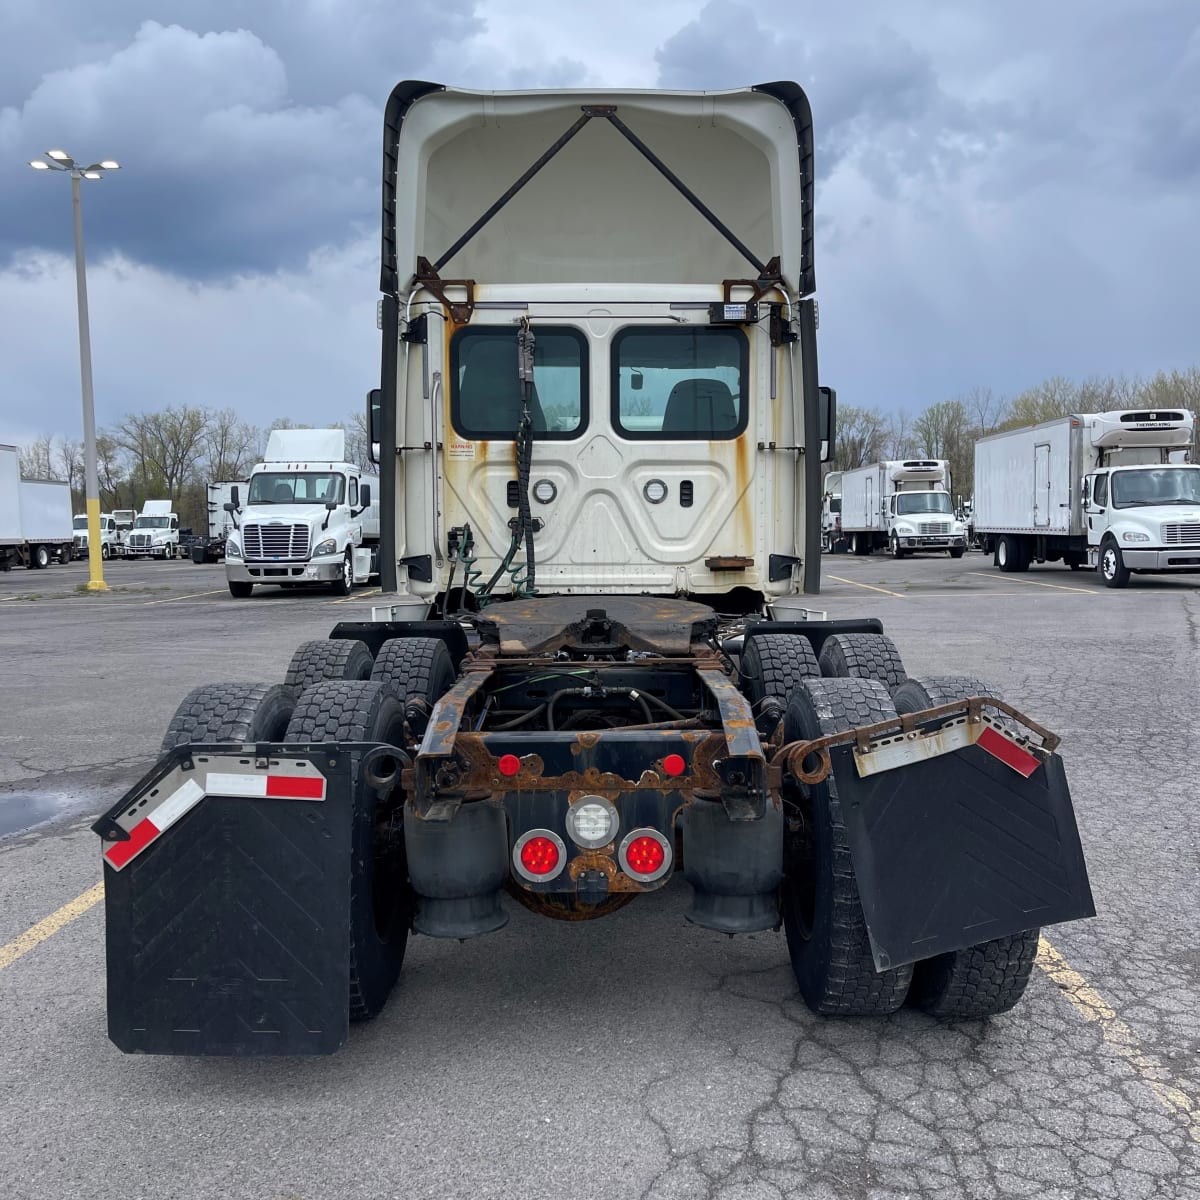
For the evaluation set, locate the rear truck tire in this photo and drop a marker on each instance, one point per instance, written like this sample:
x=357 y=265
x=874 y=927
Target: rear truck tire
x=958 y=552
x=863 y=656
x=333 y=658
x=772 y=664
x=894 y=547
x=862 y=545
x=823 y=918
x=231 y=712
x=988 y=978
x=980 y=981
x=240 y=589
x=415 y=669
x=1010 y=554
x=1111 y=565
x=380 y=897
x=39 y=558
x=344 y=584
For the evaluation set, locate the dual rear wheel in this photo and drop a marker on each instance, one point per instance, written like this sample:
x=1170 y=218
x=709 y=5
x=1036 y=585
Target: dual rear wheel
x=862 y=682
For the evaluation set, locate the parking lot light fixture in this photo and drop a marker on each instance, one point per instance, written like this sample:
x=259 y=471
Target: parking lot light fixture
x=60 y=160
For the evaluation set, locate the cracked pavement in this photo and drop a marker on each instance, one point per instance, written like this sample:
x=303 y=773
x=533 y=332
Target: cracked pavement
x=639 y=1056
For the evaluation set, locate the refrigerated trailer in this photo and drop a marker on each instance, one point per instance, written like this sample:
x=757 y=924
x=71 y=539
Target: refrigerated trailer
x=1111 y=491
x=902 y=506
x=35 y=517
x=593 y=668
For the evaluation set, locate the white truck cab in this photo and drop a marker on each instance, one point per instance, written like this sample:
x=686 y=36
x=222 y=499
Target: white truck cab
x=901 y=505
x=108 y=536
x=309 y=517
x=155 y=532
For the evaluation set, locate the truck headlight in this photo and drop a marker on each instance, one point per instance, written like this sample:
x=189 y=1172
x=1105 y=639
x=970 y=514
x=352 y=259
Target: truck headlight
x=233 y=548
x=328 y=546
x=1132 y=535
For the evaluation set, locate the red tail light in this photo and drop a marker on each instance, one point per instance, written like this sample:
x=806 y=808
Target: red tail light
x=539 y=855
x=646 y=855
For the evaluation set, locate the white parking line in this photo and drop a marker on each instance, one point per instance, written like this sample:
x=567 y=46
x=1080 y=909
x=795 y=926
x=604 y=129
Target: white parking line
x=870 y=587
x=189 y=596
x=1061 y=587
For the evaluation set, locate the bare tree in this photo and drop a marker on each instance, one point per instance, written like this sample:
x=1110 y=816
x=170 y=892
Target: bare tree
x=898 y=439
x=166 y=445
x=37 y=459
x=860 y=437
x=229 y=446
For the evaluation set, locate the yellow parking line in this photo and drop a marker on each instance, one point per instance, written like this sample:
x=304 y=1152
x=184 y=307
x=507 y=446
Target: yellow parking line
x=369 y=592
x=870 y=587
x=48 y=926
x=189 y=596
x=1118 y=1036
x=1062 y=587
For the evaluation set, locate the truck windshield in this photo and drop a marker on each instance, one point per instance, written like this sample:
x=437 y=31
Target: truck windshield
x=1165 y=485
x=152 y=523
x=79 y=523
x=908 y=503
x=297 y=487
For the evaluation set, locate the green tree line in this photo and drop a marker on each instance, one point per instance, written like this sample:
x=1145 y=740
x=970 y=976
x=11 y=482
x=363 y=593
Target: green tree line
x=168 y=455
x=949 y=429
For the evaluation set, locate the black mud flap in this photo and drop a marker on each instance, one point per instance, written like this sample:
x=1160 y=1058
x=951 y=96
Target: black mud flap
x=228 y=928
x=960 y=849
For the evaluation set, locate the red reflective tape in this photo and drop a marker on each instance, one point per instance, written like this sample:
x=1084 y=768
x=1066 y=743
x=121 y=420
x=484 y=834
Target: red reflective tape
x=140 y=836
x=1008 y=752
x=295 y=787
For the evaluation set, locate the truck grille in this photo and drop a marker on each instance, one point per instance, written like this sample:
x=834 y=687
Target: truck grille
x=1176 y=534
x=140 y=539
x=275 y=541
x=934 y=527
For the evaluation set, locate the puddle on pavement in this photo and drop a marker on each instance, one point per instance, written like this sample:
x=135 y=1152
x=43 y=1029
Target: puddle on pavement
x=20 y=811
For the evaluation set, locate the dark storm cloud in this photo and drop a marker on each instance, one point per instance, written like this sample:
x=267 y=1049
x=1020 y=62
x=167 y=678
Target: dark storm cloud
x=243 y=148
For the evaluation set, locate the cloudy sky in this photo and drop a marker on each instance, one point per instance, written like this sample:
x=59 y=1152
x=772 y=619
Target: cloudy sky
x=1006 y=191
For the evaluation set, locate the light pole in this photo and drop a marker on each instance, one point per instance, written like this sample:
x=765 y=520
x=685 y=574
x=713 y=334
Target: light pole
x=60 y=160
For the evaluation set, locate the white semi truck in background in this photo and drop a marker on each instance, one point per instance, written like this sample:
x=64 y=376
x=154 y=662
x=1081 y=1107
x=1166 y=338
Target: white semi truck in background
x=219 y=495
x=901 y=506
x=1112 y=490
x=35 y=517
x=310 y=517
x=110 y=545
x=831 y=510
x=155 y=532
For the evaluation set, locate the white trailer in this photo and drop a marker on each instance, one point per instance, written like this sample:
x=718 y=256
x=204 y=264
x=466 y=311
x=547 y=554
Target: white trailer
x=35 y=516
x=1112 y=490
x=219 y=495
x=310 y=517
x=155 y=532
x=902 y=505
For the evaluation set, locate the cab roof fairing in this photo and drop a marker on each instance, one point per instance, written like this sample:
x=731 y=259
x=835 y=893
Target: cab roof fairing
x=748 y=154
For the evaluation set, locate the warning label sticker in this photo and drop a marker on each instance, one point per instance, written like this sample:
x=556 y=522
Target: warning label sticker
x=460 y=449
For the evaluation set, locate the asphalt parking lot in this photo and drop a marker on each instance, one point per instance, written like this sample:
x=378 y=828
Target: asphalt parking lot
x=636 y=1056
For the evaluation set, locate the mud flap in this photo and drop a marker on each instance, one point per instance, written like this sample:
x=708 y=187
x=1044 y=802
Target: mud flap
x=228 y=927
x=959 y=849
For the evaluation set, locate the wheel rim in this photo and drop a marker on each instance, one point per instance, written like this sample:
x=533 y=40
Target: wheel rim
x=347 y=572
x=1002 y=553
x=1109 y=563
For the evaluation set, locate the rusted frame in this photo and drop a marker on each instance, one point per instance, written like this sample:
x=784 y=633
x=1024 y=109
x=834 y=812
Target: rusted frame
x=793 y=754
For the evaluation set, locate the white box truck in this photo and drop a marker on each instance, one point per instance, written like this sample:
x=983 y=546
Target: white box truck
x=310 y=517
x=901 y=506
x=155 y=532
x=35 y=516
x=1111 y=490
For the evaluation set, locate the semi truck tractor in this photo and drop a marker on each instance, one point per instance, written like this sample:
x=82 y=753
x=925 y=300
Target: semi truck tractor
x=310 y=517
x=593 y=673
x=35 y=517
x=902 y=506
x=155 y=532
x=109 y=540
x=1112 y=491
